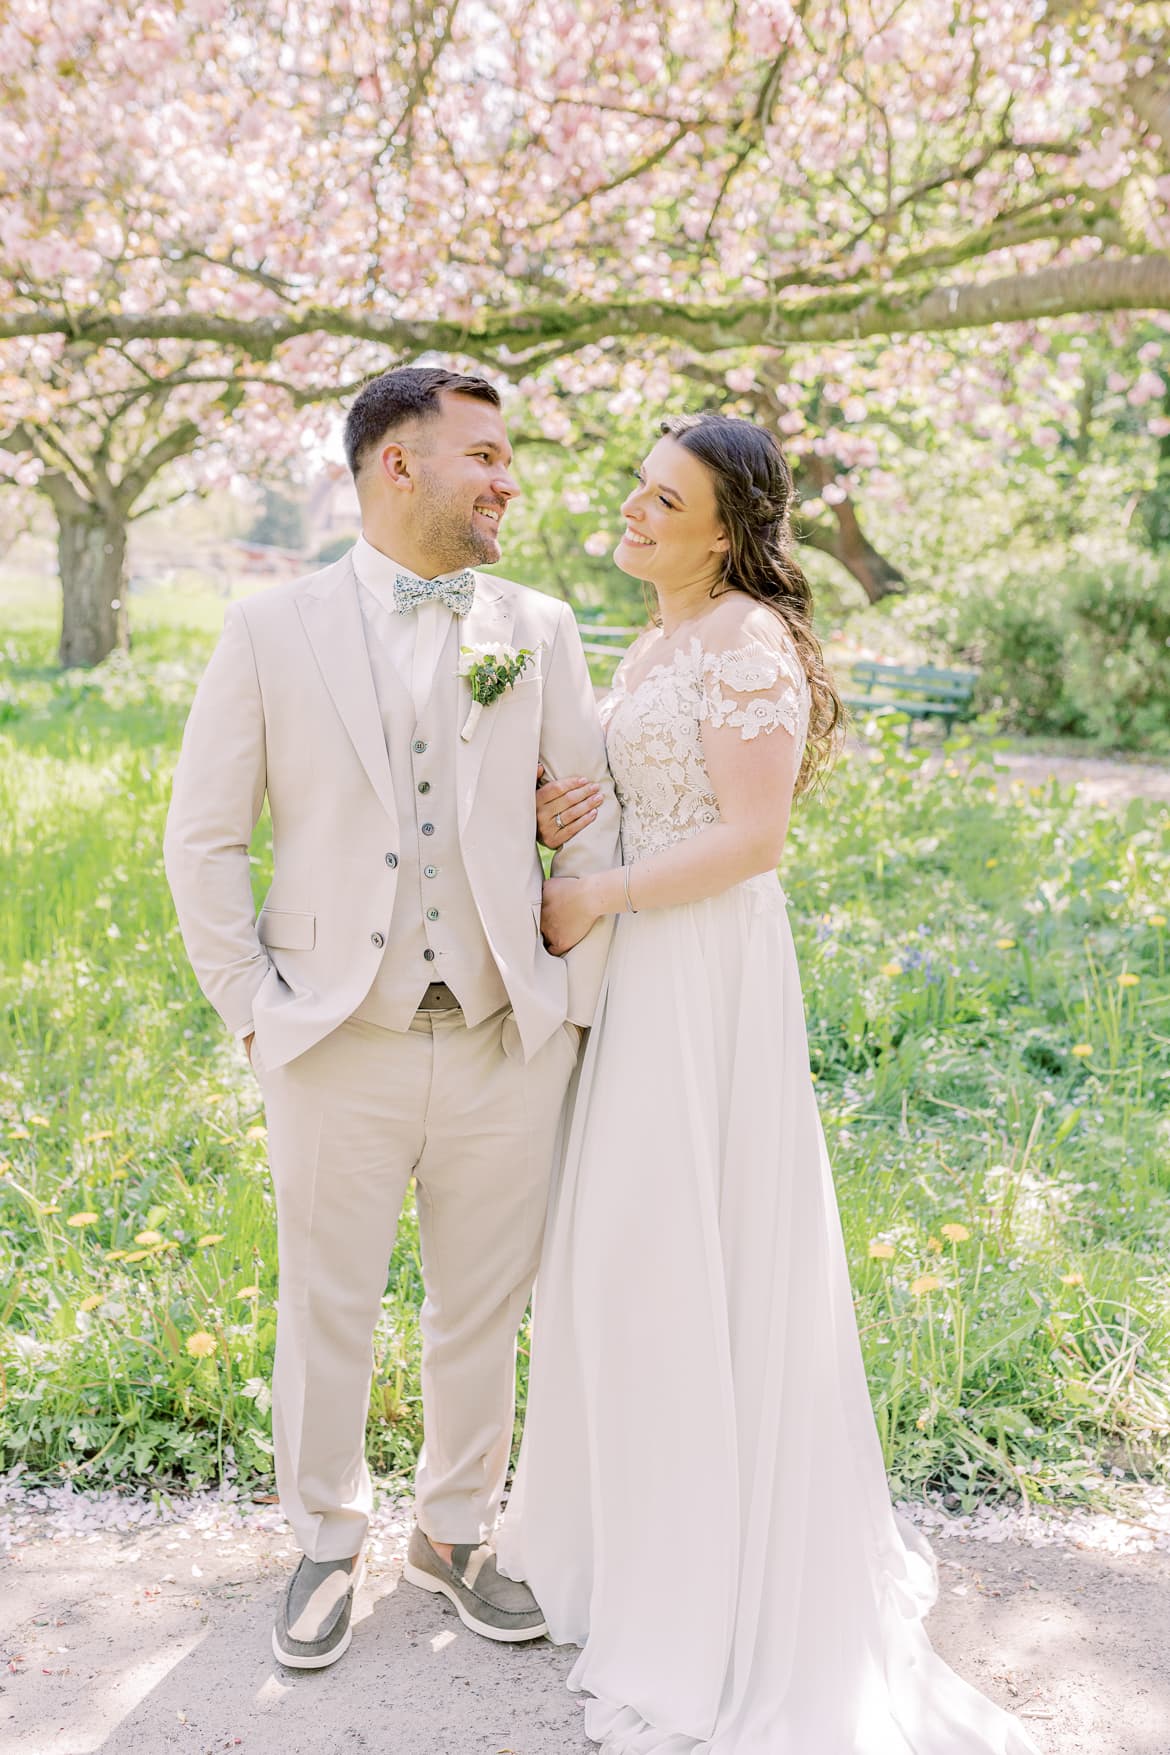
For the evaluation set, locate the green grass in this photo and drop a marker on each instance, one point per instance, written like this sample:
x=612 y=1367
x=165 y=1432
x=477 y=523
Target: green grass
x=959 y=941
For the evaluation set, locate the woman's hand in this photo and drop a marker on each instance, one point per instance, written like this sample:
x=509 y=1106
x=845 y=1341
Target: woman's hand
x=567 y=912
x=564 y=808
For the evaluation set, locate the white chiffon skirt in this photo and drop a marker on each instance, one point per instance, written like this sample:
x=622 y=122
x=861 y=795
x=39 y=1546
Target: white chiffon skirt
x=701 y=1503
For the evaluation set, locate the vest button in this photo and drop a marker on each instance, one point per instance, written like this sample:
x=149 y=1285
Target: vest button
x=428 y=828
x=432 y=913
x=424 y=785
x=429 y=956
x=377 y=940
x=430 y=871
x=419 y=747
x=392 y=860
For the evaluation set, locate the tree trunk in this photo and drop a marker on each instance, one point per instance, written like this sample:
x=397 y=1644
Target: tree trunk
x=91 y=552
x=848 y=544
x=844 y=539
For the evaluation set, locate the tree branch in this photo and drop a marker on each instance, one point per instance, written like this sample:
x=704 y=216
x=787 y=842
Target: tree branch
x=1131 y=283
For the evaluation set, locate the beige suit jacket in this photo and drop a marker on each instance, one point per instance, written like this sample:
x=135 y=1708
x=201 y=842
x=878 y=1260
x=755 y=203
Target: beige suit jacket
x=287 y=708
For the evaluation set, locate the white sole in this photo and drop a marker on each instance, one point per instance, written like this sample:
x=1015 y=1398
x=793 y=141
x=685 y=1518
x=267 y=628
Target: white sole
x=292 y=1662
x=428 y=1581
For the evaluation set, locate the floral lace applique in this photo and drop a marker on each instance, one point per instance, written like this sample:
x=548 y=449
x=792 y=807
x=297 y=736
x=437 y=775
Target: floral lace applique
x=654 y=732
x=748 y=670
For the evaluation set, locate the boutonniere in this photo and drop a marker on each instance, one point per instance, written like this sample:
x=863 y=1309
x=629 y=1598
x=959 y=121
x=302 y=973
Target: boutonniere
x=490 y=669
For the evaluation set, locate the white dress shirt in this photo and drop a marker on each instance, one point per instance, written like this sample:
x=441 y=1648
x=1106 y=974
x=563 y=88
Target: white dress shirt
x=413 y=641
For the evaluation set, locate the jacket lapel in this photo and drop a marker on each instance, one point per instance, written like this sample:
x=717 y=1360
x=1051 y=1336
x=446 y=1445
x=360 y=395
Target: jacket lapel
x=332 y=618
x=489 y=620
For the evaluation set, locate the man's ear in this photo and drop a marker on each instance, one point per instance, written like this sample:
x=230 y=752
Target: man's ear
x=394 y=466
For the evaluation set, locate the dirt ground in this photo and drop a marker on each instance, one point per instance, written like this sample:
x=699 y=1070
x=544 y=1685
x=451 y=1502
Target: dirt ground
x=1109 y=781
x=140 y=1642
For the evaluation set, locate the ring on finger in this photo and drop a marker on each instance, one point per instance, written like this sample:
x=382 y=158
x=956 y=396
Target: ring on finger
x=557 y=821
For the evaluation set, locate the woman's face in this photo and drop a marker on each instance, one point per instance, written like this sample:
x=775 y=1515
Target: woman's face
x=673 y=536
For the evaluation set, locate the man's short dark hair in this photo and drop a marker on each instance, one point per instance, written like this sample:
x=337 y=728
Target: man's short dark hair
x=410 y=393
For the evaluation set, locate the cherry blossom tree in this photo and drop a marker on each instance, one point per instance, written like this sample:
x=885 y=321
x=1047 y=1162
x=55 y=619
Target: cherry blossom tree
x=802 y=196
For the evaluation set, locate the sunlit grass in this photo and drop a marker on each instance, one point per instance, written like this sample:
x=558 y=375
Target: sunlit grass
x=989 y=1015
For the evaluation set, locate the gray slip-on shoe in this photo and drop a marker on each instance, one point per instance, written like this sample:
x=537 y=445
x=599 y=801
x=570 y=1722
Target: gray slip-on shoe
x=484 y=1599
x=312 y=1629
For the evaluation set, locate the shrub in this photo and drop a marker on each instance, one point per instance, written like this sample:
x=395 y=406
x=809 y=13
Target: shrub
x=1084 y=652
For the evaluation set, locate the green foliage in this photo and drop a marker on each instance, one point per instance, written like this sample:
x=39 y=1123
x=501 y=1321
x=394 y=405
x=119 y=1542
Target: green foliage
x=962 y=943
x=1083 y=650
x=280 y=523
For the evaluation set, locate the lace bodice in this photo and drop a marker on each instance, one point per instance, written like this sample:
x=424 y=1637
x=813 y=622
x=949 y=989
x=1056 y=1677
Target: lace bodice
x=654 y=730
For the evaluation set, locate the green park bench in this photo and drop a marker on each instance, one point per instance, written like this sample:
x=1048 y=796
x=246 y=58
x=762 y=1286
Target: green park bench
x=922 y=691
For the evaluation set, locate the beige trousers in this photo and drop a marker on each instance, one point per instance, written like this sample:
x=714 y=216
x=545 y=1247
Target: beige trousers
x=349 y=1122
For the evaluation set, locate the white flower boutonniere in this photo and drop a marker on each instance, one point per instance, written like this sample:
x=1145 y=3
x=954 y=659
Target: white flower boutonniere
x=490 y=669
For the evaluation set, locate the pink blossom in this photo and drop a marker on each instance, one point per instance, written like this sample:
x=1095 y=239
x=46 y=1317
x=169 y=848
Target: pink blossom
x=599 y=543
x=1147 y=387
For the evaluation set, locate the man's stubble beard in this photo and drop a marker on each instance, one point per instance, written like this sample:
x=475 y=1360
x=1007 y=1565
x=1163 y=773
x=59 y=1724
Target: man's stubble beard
x=446 y=529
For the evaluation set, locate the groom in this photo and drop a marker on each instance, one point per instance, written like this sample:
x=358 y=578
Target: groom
x=395 y=997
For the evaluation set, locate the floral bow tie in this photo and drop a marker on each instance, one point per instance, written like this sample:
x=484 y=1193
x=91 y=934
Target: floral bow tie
x=456 y=590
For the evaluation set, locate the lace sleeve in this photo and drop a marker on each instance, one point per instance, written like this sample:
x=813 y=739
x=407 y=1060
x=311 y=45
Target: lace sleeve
x=757 y=686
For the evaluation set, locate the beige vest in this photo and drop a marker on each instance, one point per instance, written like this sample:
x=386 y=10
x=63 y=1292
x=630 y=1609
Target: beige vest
x=435 y=930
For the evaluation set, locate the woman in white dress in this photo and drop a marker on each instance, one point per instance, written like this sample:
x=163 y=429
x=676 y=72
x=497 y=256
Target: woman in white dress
x=700 y=1502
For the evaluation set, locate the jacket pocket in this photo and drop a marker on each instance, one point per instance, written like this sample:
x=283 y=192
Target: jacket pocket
x=283 y=931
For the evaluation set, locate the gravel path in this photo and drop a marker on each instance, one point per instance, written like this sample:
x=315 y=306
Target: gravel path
x=1110 y=781
x=130 y=1636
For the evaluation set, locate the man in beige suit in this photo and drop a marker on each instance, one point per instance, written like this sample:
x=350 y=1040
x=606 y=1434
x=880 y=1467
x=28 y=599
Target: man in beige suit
x=395 y=996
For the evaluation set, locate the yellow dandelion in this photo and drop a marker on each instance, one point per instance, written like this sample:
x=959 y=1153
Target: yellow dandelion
x=170 y=1243
x=201 y=1345
x=208 y=1238
x=248 y=1292
x=136 y=1255
x=38 y=1121
x=146 y=1238
x=19 y=1133
x=1005 y=944
x=955 y=1233
x=925 y=1283
x=103 y=1133
x=934 y=1244
x=115 y=1255
x=92 y=1302
x=77 y=1220
x=891 y=968
x=921 y=1422
x=1157 y=920
x=259 y=1132
x=881 y=1251
x=1073 y=1279
x=991 y=864
x=814 y=1077
x=52 y=1207
x=1128 y=979
x=1082 y=1050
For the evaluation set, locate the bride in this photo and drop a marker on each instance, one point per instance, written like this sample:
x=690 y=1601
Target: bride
x=700 y=1503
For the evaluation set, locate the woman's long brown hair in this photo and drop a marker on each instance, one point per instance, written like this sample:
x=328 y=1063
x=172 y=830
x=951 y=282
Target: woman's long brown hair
x=753 y=497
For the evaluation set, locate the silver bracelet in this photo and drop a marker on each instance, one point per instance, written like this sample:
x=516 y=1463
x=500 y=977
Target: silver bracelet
x=626 y=870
